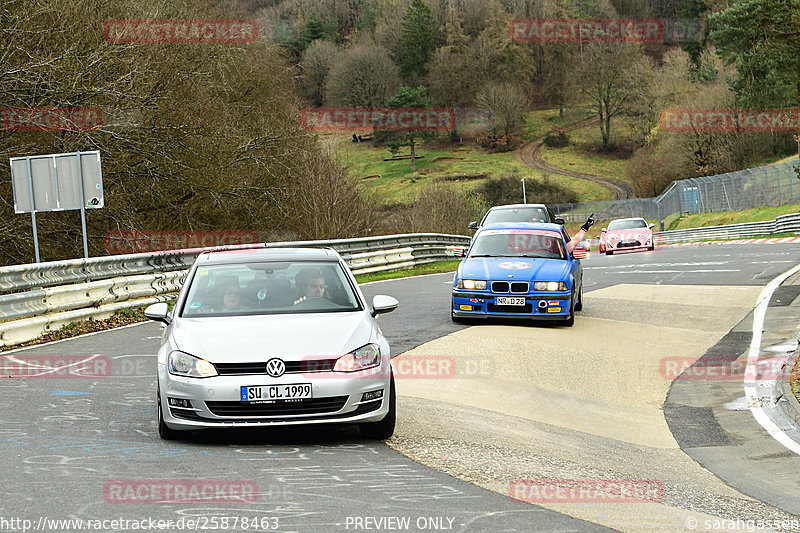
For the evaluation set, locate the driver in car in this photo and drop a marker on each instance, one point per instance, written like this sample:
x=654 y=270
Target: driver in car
x=310 y=284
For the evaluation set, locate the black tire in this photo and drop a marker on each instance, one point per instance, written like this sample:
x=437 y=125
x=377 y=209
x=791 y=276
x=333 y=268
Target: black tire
x=571 y=318
x=382 y=429
x=609 y=252
x=652 y=247
x=579 y=303
x=163 y=430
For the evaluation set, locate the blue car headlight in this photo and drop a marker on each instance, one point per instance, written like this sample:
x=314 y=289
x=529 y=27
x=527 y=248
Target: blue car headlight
x=551 y=286
x=471 y=284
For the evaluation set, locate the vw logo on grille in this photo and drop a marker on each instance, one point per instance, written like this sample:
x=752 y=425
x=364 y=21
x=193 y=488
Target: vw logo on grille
x=275 y=367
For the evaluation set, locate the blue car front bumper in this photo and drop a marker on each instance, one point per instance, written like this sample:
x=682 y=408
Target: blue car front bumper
x=538 y=306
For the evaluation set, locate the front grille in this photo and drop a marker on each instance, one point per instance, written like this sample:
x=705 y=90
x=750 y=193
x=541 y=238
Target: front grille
x=360 y=410
x=492 y=308
x=499 y=286
x=302 y=407
x=260 y=367
x=634 y=244
x=519 y=286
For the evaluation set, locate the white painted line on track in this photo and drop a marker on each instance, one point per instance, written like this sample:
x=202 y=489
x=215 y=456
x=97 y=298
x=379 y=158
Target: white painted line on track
x=750 y=382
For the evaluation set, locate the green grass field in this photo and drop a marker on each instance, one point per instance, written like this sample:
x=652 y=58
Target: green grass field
x=463 y=166
x=583 y=154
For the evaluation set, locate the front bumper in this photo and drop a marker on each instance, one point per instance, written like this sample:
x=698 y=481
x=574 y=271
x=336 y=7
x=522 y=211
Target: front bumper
x=216 y=402
x=556 y=306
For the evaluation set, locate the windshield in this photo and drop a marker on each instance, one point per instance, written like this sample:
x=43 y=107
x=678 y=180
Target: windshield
x=627 y=224
x=522 y=214
x=519 y=243
x=269 y=288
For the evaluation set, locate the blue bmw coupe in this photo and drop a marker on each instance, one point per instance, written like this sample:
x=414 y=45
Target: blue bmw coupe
x=519 y=270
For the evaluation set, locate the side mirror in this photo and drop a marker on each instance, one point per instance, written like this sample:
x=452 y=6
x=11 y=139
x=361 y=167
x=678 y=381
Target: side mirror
x=383 y=304
x=473 y=225
x=560 y=220
x=603 y=230
x=651 y=226
x=158 y=312
x=579 y=253
x=459 y=252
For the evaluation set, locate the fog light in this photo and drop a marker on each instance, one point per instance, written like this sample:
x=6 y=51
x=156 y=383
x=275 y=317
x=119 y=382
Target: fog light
x=553 y=309
x=372 y=395
x=180 y=402
x=464 y=307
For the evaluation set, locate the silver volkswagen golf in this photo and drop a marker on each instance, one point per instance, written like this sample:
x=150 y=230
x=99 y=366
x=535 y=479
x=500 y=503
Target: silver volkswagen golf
x=273 y=336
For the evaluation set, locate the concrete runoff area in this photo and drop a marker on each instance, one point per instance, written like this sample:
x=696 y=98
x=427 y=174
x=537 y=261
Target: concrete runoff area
x=582 y=402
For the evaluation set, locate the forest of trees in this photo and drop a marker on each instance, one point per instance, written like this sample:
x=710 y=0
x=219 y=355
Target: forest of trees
x=208 y=136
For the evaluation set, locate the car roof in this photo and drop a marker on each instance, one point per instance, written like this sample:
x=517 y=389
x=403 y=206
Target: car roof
x=516 y=206
x=252 y=255
x=629 y=218
x=523 y=225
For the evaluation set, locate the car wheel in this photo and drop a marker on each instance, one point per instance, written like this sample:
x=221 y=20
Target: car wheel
x=652 y=247
x=609 y=252
x=579 y=303
x=163 y=430
x=571 y=318
x=383 y=429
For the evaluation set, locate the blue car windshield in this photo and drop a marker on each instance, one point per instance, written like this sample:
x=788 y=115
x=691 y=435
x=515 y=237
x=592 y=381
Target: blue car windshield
x=521 y=214
x=519 y=243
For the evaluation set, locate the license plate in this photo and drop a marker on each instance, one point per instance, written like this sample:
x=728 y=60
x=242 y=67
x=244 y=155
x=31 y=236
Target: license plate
x=509 y=300
x=272 y=393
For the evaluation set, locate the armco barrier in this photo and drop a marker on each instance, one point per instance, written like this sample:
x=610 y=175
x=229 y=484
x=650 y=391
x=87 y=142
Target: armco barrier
x=782 y=224
x=42 y=297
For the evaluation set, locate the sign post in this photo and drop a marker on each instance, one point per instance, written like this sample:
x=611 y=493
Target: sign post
x=57 y=182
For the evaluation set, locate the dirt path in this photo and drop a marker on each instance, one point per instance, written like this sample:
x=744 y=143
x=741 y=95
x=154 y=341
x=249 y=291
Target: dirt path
x=530 y=154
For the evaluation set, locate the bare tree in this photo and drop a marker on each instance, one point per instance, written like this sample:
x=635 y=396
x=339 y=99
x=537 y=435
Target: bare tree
x=607 y=78
x=508 y=107
x=318 y=59
x=365 y=76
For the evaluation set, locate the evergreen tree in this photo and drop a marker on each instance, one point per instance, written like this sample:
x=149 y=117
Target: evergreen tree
x=312 y=31
x=408 y=97
x=420 y=38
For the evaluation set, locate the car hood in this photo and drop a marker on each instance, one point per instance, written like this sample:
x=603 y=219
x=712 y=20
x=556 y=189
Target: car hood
x=522 y=268
x=627 y=233
x=257 y=338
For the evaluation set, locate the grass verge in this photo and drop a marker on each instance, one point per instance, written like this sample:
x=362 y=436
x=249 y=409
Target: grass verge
x=123 y=317
x=697 y=220
x=436 y=267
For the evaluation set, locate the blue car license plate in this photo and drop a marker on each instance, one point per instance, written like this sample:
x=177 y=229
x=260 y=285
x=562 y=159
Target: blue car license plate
x=271 y=393
x=509 y=300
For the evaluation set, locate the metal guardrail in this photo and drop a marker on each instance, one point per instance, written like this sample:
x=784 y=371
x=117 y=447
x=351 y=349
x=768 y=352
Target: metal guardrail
x=41 y=297
x=782 y=224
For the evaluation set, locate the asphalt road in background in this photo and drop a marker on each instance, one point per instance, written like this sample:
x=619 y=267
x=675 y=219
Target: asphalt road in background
x=64 y=440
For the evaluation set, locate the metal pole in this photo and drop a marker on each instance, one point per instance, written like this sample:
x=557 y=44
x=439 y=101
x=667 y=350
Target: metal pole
x=83 y=209
x=33 y=211
x=524 y=198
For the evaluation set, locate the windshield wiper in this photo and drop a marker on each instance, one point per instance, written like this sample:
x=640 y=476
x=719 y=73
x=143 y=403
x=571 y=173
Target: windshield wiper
x=486 y=255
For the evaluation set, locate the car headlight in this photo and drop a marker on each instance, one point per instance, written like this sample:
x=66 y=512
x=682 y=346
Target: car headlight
x=365 y=357
x=549 y=286
x=183 y=364
x=471 y=284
